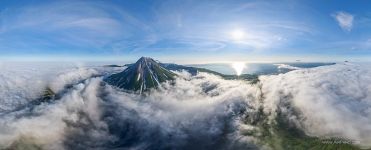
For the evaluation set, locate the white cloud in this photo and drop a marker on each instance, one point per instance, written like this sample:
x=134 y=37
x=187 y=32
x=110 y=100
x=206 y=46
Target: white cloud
x=176 y=115
x=344 y=19
x=195 y=111
x=21 y=82
x=72 y=24
x=286 y=66
x=333 y=100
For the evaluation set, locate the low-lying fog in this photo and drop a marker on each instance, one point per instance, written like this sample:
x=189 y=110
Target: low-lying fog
x=203 y=111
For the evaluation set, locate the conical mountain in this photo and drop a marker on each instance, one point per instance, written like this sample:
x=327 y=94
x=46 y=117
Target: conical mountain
x=144 y=74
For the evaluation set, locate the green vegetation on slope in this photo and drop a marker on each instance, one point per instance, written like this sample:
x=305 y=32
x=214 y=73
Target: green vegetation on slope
x=283 y=136
x=47 y=95
x=280 y=134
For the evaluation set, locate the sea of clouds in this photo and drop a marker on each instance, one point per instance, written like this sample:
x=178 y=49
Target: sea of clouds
x=334 y=101
x=194 y=112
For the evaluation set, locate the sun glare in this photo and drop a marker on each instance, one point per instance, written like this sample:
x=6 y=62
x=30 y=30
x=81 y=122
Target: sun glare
x=237 y=34
x=238 y=67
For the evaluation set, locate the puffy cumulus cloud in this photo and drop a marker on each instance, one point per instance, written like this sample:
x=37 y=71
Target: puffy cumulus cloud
x=344 y=19
x=332 y=101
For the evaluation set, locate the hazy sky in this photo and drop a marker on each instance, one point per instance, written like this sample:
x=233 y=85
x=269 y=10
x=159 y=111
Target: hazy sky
x=186 y=31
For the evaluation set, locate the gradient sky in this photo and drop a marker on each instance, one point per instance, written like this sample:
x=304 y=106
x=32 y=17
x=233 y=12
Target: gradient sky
x=185 y=31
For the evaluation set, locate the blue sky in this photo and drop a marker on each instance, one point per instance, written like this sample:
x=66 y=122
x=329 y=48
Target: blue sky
x=194 y=31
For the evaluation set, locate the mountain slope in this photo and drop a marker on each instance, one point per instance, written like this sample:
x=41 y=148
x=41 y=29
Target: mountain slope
x=144 y=74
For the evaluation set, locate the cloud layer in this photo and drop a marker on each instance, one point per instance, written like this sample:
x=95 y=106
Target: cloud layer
x=333 y=101
x=201 y=112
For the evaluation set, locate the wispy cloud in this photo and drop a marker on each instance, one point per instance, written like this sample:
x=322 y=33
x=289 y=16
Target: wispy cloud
x=344 y=19
x=116 y=28
x=74 y=25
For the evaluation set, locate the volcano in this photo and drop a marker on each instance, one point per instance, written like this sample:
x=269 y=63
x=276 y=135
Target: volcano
x=146 y=73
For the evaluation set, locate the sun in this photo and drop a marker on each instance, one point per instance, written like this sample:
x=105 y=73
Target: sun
x=238 y=67
x=237 y=34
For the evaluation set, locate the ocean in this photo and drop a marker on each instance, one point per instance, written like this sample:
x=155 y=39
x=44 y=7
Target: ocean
x=260 y=68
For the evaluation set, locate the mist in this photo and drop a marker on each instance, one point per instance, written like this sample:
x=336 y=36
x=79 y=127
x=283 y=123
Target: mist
x=193 y=112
